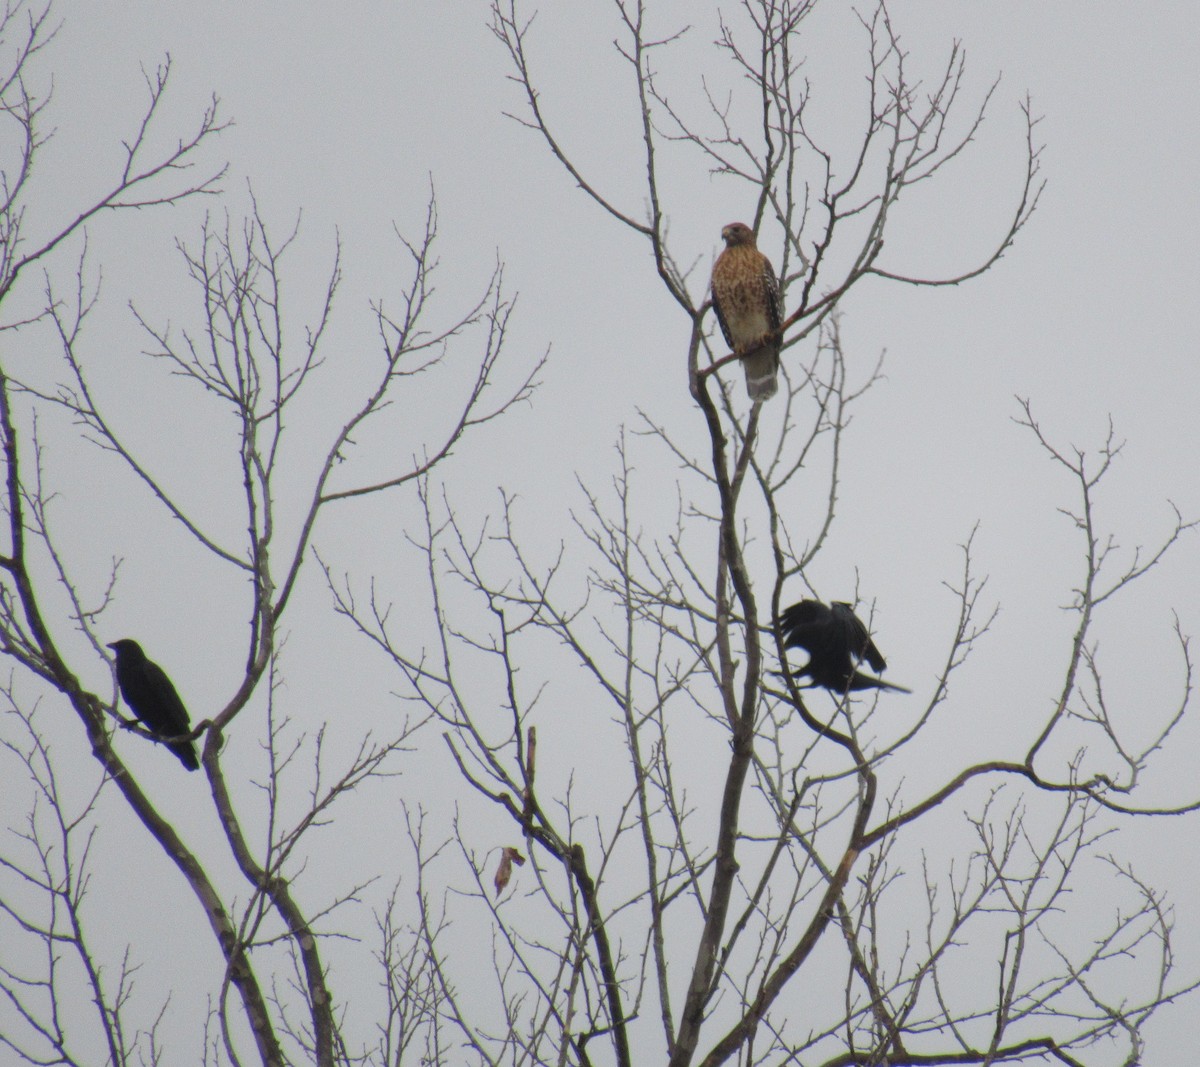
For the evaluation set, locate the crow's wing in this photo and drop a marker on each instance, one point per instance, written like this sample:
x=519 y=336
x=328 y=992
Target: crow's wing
x=856 y=636
x=151 y=696
x=807 y=625
x=171 y=713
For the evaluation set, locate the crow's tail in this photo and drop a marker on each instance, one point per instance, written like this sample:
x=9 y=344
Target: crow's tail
x=865 y=681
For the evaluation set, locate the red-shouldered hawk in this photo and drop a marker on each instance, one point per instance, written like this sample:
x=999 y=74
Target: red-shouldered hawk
x=745 y=296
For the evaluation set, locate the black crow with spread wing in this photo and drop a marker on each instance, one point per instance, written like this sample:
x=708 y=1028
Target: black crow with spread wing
x=836 y=641
x=152 y=698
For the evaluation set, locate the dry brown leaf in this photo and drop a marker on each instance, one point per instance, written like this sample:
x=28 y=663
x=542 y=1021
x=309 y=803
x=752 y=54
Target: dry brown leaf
x=508 y=856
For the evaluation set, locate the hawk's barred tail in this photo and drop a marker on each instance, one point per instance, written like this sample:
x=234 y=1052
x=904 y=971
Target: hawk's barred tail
x=762 y=371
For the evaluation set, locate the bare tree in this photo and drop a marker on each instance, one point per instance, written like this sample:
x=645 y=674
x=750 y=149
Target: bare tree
x=249 y=355
x=725 y=867
x=757 y=882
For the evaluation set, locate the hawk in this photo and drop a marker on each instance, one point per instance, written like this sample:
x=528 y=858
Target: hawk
x=745 y=296
x=152 y=698
x=835 y=640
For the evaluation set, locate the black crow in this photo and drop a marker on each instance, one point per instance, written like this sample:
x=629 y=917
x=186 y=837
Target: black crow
x=835 y=640
x=152 y=698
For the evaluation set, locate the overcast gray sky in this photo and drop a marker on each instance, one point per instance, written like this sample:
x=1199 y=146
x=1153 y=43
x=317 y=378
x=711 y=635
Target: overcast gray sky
x=350 y=112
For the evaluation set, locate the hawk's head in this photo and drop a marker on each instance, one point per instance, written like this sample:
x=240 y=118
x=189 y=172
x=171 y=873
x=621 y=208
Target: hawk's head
x=737 y=233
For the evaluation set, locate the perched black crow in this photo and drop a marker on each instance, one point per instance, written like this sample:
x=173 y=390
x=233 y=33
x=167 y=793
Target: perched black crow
x=152 y=698
x=835 y=640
